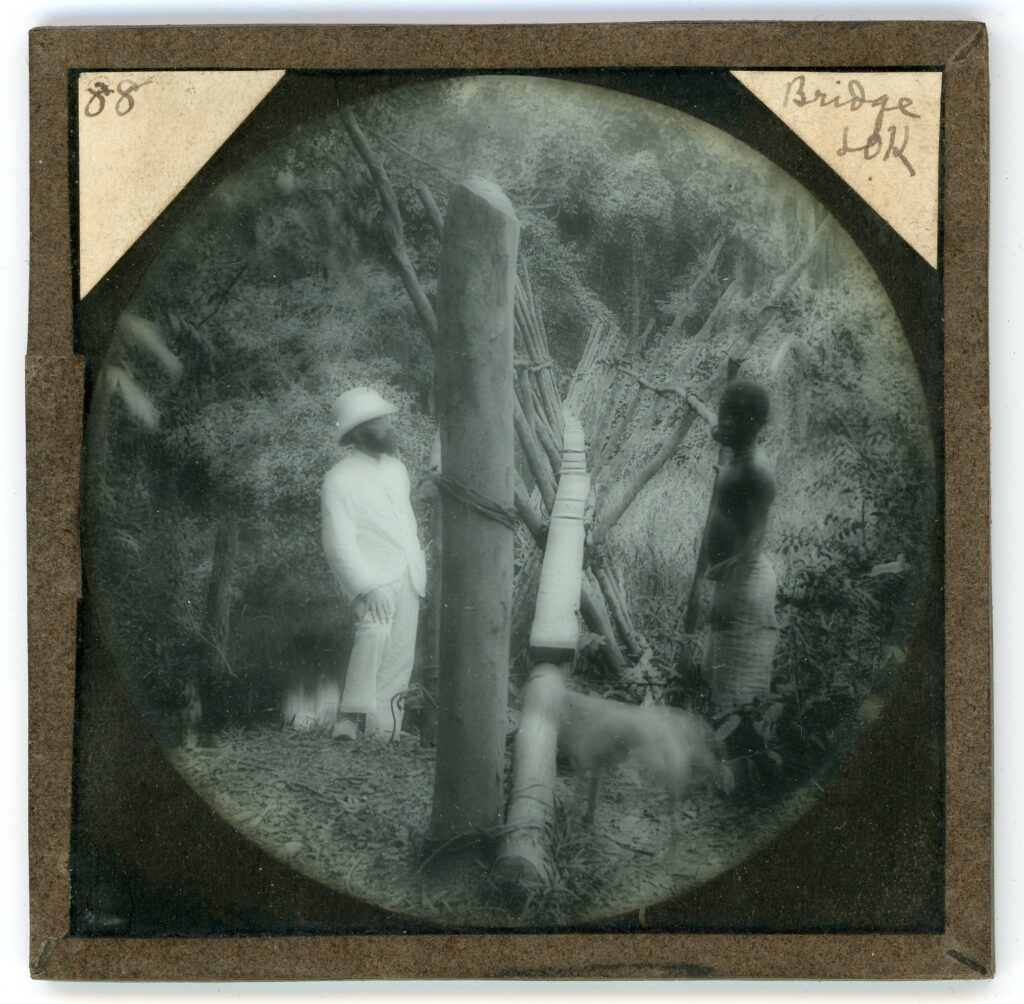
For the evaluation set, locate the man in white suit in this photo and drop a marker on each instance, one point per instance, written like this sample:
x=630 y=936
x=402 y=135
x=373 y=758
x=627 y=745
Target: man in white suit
x=370 y=540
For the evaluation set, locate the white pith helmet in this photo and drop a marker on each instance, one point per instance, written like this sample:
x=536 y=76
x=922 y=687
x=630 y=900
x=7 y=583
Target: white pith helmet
x=355 y=406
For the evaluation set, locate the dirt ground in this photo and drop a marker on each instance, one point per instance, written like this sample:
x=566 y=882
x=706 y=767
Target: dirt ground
x=354 y=815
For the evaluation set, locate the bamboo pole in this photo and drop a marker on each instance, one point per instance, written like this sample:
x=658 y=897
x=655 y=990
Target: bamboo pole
x=536 y=460
x=429 y=203
x=394 y=232
x=620 y=411
x=538 y=407
x=596 y=617
x=525 y=394
x=555 y=626
x=544 y=436
x=476 y=405
x=529 y=514
x=546 y=379
x=615 y=607
x=686 y=308
x=538 y=357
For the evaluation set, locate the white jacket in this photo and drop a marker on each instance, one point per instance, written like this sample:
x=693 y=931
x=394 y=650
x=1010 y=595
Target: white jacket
x=368 y=529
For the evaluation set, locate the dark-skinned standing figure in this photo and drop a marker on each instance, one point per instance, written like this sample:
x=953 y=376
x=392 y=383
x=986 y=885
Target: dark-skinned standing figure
x=744 y=629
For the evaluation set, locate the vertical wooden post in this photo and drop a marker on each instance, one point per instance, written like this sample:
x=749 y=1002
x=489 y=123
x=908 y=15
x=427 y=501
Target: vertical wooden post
x=432 y=615
x=475 y=406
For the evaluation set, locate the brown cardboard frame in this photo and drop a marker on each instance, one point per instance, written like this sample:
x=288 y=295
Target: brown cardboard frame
x=55 y=382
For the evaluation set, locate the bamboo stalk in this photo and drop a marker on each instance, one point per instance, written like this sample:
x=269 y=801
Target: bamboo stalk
x=394 y=232
x=525 y=395
x=620 y=412
x=548 y=445
x=655 y=464
x=531 y=340
x=615 y=608
x=538 y=403
x=707 y=330
x=681 y=369
x=686 y=308
x=539 y=341
x=670 y=390
x=576 y=400
x=429 y=203
x=536 y=460
x=528 y=512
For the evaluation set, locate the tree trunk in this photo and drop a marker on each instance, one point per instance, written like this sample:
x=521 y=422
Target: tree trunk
x=215 y=668
x=432 y=617
x=476 y=404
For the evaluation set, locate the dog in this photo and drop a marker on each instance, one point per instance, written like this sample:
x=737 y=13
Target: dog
x=679 y=748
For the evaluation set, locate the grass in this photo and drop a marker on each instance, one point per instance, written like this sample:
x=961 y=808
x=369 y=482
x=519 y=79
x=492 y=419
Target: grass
x=353 y=816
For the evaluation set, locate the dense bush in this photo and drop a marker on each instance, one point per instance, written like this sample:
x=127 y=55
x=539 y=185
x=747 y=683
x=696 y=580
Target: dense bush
x=279 y=292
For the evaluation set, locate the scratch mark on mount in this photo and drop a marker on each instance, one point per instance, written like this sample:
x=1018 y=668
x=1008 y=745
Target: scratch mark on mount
x=968 y=47
x=967 y=961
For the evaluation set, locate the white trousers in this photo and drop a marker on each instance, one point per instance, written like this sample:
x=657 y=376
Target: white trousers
x=381 y=662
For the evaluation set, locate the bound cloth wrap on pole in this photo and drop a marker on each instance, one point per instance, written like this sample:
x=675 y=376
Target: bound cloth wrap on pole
x=475 y=405
x=744 y=632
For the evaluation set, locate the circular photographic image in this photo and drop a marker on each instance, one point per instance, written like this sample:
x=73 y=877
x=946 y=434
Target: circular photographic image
x=509 y=501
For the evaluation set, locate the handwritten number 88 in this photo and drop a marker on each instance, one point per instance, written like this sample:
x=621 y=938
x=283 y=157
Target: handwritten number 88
x=100 y=91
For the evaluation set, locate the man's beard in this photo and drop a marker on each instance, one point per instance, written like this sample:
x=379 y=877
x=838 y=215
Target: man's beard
x=384 y=442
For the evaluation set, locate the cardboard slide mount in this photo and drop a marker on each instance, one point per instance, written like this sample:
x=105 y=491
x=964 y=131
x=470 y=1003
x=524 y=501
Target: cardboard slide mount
x=917 y=796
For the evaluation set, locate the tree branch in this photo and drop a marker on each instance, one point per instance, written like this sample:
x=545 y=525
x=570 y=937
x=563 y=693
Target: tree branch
x=394 y=232
x=668 y=390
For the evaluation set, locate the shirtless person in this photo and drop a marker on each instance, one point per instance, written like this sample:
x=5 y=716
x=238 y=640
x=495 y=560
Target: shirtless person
x=744 y=630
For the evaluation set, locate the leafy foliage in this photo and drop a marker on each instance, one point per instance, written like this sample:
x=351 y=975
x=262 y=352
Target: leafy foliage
x=280 y=292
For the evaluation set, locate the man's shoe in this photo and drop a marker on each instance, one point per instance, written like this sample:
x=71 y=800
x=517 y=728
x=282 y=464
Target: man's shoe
x=345 y=729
